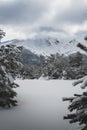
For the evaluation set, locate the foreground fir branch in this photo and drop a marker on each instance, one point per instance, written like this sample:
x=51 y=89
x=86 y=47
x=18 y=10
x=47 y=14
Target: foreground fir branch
x=9 y=69
x=78 y=104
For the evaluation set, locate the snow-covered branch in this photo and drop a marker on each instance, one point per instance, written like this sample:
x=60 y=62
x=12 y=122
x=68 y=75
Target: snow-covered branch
x=78 y=104
x=83 y=82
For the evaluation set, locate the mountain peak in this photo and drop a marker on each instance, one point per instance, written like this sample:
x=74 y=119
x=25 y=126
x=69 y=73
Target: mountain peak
x=47 y=46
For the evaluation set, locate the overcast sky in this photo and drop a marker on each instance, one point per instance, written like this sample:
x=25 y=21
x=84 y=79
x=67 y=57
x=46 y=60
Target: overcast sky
x=31 y=18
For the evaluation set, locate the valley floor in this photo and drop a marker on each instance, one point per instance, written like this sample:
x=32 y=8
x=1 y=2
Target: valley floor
x=40 y=106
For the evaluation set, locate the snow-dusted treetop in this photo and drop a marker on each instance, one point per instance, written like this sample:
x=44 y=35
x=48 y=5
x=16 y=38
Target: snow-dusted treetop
x=2 y=34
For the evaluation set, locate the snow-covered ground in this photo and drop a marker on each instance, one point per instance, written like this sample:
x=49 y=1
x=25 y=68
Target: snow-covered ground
x=40 y=106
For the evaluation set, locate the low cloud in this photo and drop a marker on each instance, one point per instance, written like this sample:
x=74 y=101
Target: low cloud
x=76 y=13
x=21 y=12
x=35 y=17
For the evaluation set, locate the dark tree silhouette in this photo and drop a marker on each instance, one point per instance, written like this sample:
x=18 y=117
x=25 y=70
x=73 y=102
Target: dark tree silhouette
x=85 y=38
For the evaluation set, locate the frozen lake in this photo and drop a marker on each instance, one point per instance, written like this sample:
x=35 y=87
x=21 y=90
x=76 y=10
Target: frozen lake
x=40 y=106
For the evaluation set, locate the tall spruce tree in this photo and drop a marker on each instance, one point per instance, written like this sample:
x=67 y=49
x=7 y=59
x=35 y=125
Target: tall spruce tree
x=78 y=103
x=9 y=69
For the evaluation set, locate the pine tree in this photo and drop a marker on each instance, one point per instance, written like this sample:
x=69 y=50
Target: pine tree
x=78 y=103
x=9 y=69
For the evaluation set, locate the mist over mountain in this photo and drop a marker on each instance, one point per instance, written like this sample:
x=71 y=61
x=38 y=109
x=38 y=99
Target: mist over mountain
x=46 y=46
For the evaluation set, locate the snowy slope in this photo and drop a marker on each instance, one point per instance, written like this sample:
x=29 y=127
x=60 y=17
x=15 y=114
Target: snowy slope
x=47 y=46
x=40 y=106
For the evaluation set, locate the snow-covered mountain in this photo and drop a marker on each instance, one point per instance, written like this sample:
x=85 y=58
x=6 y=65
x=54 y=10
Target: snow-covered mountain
x=47 y=46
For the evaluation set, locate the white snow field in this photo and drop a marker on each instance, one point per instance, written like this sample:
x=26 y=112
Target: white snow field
x=40 y=106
